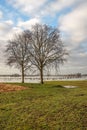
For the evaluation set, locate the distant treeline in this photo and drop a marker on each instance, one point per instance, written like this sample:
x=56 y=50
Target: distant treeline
x=78 y=75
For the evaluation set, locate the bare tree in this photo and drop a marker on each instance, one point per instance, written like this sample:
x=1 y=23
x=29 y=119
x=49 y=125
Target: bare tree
x=17 y=52
x=47 y=48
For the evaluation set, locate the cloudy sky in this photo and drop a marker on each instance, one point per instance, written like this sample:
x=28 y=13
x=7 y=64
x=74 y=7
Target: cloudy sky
x=70 y=16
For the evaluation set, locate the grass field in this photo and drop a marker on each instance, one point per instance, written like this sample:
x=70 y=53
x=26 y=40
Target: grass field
x=45 y=107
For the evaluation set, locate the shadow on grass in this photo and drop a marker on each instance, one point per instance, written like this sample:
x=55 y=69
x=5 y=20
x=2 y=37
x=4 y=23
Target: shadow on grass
x=57 y=86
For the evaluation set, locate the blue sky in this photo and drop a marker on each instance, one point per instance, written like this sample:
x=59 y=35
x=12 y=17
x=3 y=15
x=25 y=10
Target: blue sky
x=69 y=16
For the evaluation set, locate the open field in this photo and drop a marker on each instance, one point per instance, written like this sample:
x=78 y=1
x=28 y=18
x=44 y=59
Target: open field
x=45 y=107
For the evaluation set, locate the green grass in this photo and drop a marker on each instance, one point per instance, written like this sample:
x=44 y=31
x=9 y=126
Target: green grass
x=45 y=107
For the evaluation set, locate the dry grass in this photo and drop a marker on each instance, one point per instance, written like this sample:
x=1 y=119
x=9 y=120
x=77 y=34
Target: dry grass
x=10 y=87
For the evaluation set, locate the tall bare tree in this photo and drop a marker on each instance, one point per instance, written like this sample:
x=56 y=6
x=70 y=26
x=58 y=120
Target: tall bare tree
x=47 y=49
x=17 y=52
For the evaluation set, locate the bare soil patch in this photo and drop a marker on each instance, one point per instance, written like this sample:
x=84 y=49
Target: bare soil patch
x=10 y=87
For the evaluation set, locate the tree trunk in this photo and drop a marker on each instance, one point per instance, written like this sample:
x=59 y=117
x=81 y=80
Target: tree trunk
x=22 y=74
x=41 y=75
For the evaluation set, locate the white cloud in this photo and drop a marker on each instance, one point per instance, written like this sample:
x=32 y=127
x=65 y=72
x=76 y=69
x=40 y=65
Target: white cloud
x=74 y=24
x=29 y=23
x=30 y=7
x=83 y=54
x=42 y=7
x=9 y=22
x=56 y=6
x=4 y=29
x=4 y=69
x=7 y=30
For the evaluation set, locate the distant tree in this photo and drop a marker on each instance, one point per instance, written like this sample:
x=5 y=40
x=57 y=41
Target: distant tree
x=78 y=75
x=17 y=52
x=47 y=49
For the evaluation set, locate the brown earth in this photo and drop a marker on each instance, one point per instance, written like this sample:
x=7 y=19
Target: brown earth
x=10 y=87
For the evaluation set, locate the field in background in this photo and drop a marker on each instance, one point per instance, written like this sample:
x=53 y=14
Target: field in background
x=45 y=107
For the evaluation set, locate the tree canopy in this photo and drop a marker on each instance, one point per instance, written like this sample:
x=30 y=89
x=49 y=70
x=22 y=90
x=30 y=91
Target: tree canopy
x=41 y=47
